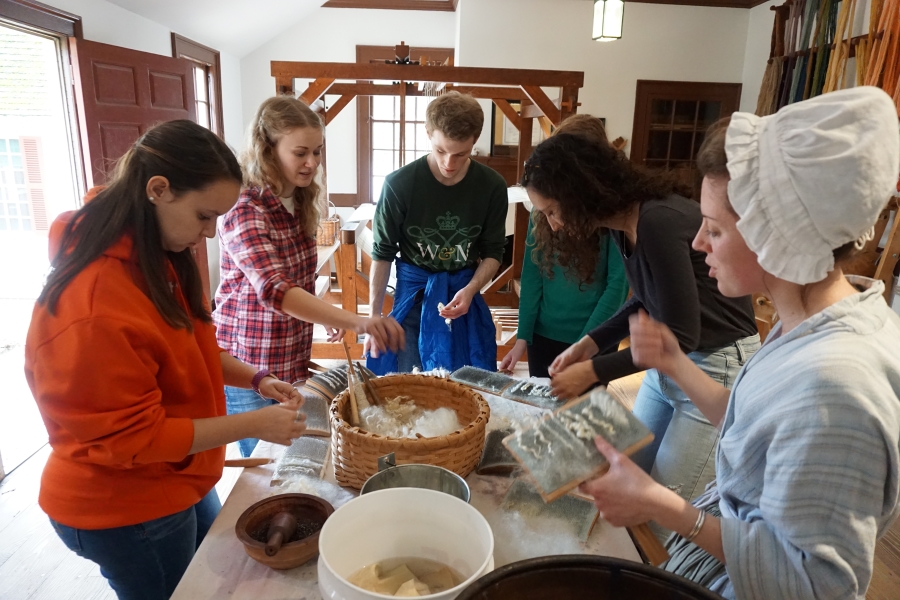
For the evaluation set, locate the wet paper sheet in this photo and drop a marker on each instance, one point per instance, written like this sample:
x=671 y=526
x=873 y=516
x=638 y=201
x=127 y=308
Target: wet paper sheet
x=306 y=456
x=578 y=512
x=559 y=452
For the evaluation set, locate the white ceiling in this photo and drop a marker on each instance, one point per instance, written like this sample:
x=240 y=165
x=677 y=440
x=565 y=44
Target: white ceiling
x=234 y=26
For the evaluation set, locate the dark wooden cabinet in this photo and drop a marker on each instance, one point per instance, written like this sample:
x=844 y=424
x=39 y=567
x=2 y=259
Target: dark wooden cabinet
x=505 y=165
x=671 y=119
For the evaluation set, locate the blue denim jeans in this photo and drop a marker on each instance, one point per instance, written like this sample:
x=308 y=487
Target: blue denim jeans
x=682 y=455
x=145 y=561
x=239 y=400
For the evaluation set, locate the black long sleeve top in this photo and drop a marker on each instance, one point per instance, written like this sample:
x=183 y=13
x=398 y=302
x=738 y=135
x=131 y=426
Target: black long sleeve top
x=671 y=281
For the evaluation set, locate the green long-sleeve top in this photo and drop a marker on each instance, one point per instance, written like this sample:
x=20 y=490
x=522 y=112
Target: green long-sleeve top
x=560 y=309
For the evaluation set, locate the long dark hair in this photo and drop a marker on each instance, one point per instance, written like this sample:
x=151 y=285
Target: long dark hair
x=591 y=183
x=592 y=128
x=191 y=158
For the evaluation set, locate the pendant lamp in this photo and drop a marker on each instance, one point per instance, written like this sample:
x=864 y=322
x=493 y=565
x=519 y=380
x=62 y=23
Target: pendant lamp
x=608 y=17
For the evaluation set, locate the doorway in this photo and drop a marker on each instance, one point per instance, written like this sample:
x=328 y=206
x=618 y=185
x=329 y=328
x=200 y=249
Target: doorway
x=38 y=180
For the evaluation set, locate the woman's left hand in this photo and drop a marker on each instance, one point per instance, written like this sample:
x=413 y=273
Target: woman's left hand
x=334 y=335
x=273 y=388
x=625 y=495
x=573 y=381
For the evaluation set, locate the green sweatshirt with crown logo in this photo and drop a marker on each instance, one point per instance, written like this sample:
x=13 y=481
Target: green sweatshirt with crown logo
x=439 y=227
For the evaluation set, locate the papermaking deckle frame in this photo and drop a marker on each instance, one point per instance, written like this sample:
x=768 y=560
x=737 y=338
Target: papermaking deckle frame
x=499 y=384
x=559 y=452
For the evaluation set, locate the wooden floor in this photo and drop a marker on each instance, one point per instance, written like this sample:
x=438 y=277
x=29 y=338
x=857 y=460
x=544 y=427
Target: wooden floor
x=35 y=565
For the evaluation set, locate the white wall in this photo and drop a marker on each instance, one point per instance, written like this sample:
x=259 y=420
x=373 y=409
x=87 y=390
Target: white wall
x=331 y=35
x=110 y=24
x=756 y=54
x=659 y=42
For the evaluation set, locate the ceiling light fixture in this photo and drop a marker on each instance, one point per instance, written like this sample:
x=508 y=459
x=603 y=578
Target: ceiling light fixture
x=608 y=18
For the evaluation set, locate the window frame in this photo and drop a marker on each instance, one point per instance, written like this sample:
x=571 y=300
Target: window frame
x=65 y=29
x=367 y=54
x=210 y=58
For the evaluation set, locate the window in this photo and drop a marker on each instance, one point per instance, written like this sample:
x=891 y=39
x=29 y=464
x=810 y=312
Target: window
x=207 y=81
x=378 y=125
x=671 y=119
x=15 y=213
x=385 y=122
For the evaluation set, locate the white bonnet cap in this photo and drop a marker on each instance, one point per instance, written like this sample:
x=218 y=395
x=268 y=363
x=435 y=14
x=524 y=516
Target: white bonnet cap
x=812 y=177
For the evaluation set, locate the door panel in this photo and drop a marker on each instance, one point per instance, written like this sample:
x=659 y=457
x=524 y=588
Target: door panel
x=122 y=92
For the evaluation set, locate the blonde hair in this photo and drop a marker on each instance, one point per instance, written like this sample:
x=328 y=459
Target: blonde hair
x=458 y=116
x=274 y=118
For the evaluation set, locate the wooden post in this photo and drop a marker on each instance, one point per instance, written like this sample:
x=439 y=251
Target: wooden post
x=524 y=141
x=402 y=148
x=347 y=273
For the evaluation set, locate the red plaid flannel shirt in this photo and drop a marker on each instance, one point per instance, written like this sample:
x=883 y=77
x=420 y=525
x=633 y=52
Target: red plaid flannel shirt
x=264 y=253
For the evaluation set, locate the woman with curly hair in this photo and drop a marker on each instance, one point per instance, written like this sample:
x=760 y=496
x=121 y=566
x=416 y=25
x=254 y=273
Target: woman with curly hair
x=555 y=308
x=583 y=187
x=265 y=304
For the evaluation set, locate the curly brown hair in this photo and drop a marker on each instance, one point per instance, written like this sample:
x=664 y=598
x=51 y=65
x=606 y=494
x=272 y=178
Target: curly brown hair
x=592 y=128
x=592 y=184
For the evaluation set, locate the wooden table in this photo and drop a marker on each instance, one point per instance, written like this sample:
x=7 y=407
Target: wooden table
x=221 y=568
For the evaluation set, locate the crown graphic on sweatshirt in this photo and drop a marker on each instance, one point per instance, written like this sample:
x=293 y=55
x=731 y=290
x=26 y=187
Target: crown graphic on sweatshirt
x=447 y=222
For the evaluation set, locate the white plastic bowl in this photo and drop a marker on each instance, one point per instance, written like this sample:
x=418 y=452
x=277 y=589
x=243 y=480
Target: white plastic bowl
x=399 y=523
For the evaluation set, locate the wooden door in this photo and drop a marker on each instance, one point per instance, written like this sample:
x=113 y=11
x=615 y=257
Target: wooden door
x=119 y=94
x=123 y=92
x=671 y=119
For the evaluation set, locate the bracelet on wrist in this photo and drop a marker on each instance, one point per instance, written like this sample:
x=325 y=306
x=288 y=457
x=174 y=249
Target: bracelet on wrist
x=698 y=525
x=257 y=379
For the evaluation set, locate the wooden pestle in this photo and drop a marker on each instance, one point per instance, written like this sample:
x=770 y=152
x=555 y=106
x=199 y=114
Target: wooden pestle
x=281 y=528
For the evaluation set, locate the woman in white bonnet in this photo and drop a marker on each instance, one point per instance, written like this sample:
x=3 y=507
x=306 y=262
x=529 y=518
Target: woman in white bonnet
x=807 y=466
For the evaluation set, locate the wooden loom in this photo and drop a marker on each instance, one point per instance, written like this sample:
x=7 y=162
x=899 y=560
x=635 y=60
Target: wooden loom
x=349 y=80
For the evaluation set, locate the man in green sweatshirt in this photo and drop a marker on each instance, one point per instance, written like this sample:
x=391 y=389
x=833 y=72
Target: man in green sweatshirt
x=442 y=218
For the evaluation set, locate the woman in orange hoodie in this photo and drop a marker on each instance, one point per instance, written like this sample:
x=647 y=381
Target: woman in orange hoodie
x=122 y=360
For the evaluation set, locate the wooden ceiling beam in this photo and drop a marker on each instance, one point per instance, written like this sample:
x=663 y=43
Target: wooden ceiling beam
x=392 y=72
x=489 y=92
x=442 y=5
x=717 y=3
x=374 y=89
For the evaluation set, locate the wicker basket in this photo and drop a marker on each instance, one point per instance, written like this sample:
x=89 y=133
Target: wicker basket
x=355 y=452
x=328 y=227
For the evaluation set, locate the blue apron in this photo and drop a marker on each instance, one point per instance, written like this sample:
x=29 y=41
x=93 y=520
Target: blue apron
x=470 y=341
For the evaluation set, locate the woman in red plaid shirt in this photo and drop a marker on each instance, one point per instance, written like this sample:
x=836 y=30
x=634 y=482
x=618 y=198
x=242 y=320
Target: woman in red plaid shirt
x=266 y=303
